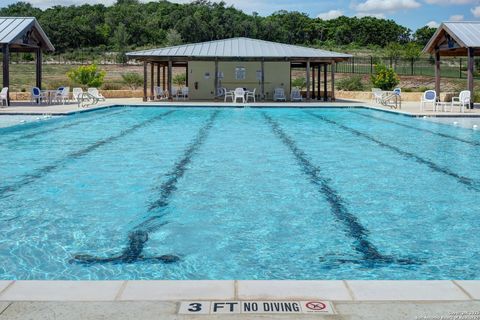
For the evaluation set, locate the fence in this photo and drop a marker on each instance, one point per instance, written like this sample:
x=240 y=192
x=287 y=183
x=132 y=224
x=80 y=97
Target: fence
x=449 y=67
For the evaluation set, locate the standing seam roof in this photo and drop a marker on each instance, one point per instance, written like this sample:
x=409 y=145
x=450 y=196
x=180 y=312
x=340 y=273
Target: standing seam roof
x=12 y=28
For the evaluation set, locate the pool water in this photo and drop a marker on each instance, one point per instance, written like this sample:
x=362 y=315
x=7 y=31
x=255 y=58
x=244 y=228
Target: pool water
x=212 y=193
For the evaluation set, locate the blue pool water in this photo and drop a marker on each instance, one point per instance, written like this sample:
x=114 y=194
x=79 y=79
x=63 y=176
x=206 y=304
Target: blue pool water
x=211 y=193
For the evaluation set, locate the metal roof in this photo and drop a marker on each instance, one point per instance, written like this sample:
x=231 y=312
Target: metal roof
x=238 y=48
x=465 y=33
x=13 y=29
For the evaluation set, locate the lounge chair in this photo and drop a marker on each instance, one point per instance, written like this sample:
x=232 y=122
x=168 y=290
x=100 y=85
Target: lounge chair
x=227 y=94
x=429 y=96
x=96 y=94
x=239 y=93
x=251 y=94
x=463 y=100
x=377 y=95
x=183 y=93
x=82 y=98
x=4 y=96
x=279 y=94
x=295 y=95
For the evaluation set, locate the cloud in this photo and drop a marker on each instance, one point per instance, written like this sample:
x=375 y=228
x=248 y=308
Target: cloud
x=456 y=17
x=476 y=11
x=382 y=6
x=433 y=24
x=332 y=14
x=449 y=2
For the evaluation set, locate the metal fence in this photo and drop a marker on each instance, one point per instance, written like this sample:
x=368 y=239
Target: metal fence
x=449 y=67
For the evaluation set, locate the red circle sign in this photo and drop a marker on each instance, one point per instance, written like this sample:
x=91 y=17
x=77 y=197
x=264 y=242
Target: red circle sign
x=315 y=305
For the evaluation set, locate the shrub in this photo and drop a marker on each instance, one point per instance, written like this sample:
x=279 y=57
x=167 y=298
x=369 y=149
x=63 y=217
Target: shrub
x=132 y=80
x=301 y=83
x=87 y=76
x=384 y=78
x=111 y=86
x=179 y=80
x=353 y=83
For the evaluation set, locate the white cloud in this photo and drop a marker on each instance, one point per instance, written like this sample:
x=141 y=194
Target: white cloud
x=332 y=14
x=456 y=17
x=382 y=6
x=476 y=11
x=433 y=24
x=448 y=2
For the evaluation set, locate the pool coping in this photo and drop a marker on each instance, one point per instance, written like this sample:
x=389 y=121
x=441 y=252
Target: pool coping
x=226 y=290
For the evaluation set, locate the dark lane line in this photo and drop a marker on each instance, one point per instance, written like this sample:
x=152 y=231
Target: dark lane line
x=68 y=125
x=470 y=183
x=138 y=236
x=473 y=143
x=41 y=172
x=354 y=229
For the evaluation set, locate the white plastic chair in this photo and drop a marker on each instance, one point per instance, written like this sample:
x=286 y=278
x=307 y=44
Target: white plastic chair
x=295 y=95
x=228 y=94
x=397 y=91
x=239 y=93
x=462 y=100
x=251 y=94
x=174 y=93
x=66 y=94
x=37 y=96
x=279 y=94
x=77 y=94
x=183 y=93
x=58 y=97
x=377 y=95
x=429 y=96
x=159 y=93
x=96 y=94
x=4 y=96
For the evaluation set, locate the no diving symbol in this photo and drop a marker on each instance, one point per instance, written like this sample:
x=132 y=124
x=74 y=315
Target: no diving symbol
x=315 y=305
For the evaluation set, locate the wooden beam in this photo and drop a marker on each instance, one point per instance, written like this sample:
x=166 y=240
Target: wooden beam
x=145 y=81
x=325 y=84
x=437 y=72
x=38 y=68
x=6 y=69
x=319 y=78
x=313 y=82
x=308 y=79
x=152 y=79
x=158 y=74
x=169 y=79
x=333 y=81
x=215 y=94
x=470 y=70
x=164 y=80
x=262 y=80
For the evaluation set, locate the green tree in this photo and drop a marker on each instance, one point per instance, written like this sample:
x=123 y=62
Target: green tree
x=384 y=78
x=180 y=80
x=120 y=40
x=173 y=38
x=393 y=51
x=423 y=35
x=300 y=83
x=132 y=79
x=87 y=76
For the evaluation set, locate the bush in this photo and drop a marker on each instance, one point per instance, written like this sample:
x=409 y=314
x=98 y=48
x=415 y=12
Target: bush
x=87 y=76
x=111 y=86
x=385 y=78
x=179 y=80
x=132 y=80
x=353 y=83
x=300 y=83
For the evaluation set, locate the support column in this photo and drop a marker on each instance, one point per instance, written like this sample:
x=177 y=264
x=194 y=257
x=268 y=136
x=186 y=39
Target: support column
x=158 y=74
x=144 y=81
x=333 y=80
x=6 y=69
x=470 y=70
x=325 y=84
x=313 y=82
x=319 y=84
x=262 y=80
x=152 y=79
x=308 y=79
x=38 y=69
x=164 y=78
x=437 y=72
x=216 y=80
x=186 y=75
x=169 y=79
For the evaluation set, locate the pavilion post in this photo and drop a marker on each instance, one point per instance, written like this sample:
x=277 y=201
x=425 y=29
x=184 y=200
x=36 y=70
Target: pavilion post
x=325 y=83
x=152 y=79
x=332 y=69
x=313 y=82
x=308 y=80
x=158 y=74
x=470 y=69
x=262 y=79
x=6 y=69
x=169 y=79
x=164 y=77
x=215 y=94
x=144 y=81
x=319 y=84
x=437 y=72
x=38 y=67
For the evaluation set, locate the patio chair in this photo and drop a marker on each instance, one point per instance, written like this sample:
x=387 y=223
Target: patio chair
x=183 y=93
x=174 y=93
x=239 y=93
x=4 y=96
x=228 y=94
x=66 y=94
x=58 y=97
x=96 y=94
x=295 y=95
x=279 y=94
x=429 y=96
x=397 y=91
x=463 y=100
x=251 y=94
x=159 y=93
x=377 y=95
x=37 y=96
x=80 y=97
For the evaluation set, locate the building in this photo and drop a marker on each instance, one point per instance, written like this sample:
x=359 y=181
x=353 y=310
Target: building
x=239 y=62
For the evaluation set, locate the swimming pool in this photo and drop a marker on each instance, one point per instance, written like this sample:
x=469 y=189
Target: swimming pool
x=212 y=193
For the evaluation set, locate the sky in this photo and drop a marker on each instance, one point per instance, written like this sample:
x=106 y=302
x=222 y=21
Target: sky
x=413 y=14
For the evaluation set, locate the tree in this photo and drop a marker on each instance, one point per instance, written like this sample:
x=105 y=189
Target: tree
x=87 y=76
x=412 y=52
x=173 y=38
x=423 y=35
x=180 y=80
x=393 y=51
x=132 y=79
x=300 y=83
x=120 y=40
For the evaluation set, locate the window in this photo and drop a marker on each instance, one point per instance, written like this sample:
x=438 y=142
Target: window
x=240 y=73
